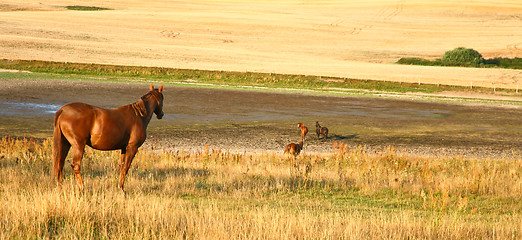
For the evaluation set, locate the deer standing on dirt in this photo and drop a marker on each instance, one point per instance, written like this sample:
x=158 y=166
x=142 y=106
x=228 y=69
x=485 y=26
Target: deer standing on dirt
x=304 y=130
x=321 y=130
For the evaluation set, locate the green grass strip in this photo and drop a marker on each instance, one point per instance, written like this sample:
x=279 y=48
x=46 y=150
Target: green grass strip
x=231 y=79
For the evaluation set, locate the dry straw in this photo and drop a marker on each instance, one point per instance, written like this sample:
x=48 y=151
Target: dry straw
x=351 y=193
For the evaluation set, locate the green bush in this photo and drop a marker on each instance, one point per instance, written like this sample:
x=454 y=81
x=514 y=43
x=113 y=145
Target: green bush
x=514 y=63
x=462 y=57
x=420 y=61
x=86 y=8
x=465 y=57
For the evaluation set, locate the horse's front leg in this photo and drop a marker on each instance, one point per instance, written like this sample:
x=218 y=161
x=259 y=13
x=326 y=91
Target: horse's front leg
x=78 y=151
x=127 y=156
x=122 y=160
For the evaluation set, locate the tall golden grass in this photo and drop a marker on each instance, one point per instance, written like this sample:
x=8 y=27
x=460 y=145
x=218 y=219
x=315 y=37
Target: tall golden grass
x=350 y=193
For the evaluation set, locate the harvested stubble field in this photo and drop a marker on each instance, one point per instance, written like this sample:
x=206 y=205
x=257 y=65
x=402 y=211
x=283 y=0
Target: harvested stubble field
x=351 y=193
x=354 y=39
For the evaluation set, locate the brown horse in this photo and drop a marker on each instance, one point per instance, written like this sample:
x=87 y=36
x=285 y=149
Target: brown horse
x=123 y=128
x=304 y=130
x=294 y=149
x=321 y=130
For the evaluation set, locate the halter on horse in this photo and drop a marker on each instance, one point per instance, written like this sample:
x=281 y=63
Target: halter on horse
x=123 y=128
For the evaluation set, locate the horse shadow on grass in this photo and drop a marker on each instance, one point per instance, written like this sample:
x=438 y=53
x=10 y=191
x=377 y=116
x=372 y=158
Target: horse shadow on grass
x=338 y=137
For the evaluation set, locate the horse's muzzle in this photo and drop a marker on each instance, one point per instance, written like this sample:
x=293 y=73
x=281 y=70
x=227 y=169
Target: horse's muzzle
x=160 y=116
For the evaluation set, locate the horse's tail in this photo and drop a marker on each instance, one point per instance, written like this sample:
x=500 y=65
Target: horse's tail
x=292 y=149
x=60 y=147
x=287 y=148
x=56 y=115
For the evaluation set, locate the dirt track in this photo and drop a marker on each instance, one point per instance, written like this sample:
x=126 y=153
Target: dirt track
x=261 y=121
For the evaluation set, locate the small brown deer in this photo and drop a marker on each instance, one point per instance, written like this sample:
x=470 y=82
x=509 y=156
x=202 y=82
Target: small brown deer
x=304 y=130
x=321 y=130
x=294 y=149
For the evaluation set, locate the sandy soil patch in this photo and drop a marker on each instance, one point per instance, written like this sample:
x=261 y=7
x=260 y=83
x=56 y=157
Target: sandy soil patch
x=355 y=39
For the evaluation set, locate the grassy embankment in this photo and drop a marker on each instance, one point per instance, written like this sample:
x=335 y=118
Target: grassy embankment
x=229 y=79
x=349 y=193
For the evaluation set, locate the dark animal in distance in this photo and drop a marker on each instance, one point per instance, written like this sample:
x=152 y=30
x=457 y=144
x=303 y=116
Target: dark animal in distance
x=123 y=128
x=294 y=149
x=304 y=130
x=321 y=130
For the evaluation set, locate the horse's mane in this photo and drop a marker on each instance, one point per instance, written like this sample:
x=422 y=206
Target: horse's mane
x=139 y=106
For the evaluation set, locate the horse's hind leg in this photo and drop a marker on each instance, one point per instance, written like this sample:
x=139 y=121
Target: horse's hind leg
x=78 y=150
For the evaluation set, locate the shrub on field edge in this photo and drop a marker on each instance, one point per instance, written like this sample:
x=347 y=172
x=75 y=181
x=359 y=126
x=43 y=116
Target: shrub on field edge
x=462 y=57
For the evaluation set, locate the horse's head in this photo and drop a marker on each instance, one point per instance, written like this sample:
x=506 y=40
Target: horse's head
x=159 y=97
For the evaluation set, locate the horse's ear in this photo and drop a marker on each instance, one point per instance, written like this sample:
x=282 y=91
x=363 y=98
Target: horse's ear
x=151 y=87
x=161 y=88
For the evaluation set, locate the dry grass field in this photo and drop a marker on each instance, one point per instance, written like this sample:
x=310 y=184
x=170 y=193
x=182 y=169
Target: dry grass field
x=355 y=39
x=351 y=193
